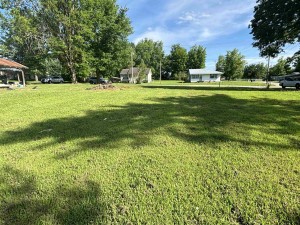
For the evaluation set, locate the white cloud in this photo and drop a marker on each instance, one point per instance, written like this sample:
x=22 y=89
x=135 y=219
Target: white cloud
x=192 y=22
x=192 y=17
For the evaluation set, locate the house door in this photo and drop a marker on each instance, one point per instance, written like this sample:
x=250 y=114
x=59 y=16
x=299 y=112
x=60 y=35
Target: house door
x=200 y=78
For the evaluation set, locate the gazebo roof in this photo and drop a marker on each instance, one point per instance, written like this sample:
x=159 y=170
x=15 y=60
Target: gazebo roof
x=11 y=64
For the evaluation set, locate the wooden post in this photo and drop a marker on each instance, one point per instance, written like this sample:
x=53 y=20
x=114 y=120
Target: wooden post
x=268 y=71
x=18 y=77
x=160 y=72
x=23 y=77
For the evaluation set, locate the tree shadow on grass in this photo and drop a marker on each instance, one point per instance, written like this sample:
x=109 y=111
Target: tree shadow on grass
x=202 y=119
x=24 y=203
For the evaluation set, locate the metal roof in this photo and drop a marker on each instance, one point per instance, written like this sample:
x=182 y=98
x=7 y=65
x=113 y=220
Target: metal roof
x=134 y=70
x=124 y=72
x=203 y=72
x=11 y=64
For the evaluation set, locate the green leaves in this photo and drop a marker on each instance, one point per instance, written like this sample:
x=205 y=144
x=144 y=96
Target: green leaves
x=220 y=66
x=255 y=71
x=196 y=57
x=275 y=24
x=178 y=59
x=151 y=52
x=85 y=36
x=234 y=65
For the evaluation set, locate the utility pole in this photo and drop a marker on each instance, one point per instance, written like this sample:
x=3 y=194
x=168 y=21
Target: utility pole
x=160 y=72
x=268 y=71
x=131 y=81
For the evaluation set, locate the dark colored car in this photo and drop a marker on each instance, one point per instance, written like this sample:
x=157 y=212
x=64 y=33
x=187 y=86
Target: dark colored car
x=93 y=80
x=50 y=79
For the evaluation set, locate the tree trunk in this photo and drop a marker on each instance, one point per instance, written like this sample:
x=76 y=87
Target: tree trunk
x=74 y=78
x=98 y=75
x=73 y=72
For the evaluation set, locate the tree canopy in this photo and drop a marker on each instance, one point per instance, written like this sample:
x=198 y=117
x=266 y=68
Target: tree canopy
x=220 y=65
x=178 y=59
x=151 y=53
x=255 y=71
x=275 y=24
x=281 y=68
x=234 y=65
x=196 y=57
x=86 y=36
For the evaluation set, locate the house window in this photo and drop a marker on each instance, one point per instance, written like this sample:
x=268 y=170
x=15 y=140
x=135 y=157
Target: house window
x=195 y=76
x=213 y=76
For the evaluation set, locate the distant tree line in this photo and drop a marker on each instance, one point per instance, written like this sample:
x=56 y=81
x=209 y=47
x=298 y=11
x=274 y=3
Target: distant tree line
x=234 y=67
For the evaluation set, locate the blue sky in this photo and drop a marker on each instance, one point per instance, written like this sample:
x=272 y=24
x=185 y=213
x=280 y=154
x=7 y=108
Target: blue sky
x=218 y=25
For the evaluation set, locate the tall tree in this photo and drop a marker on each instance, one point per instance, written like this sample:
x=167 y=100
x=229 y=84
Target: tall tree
x=275 y=24
x=294 y=61
x=85 y=35
x=109 y=45
x=281 y=68
x=178 y=59
x=23 y=38
x=196 y=57
x=234 y=65
x=151 y=52
x=67 y=24
x=255 y=71
x=297 y=64
x=220 y=65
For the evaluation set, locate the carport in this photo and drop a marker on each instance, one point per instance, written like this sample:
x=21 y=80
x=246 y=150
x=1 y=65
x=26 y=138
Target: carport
x=6 y=64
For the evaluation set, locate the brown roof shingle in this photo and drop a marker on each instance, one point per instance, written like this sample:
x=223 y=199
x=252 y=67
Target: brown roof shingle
x=11 y=64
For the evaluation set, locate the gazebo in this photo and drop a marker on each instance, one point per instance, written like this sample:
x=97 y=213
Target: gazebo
x=6 y=64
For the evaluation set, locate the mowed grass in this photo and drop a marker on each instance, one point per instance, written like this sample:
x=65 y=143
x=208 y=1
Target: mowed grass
x=149 y=155
x=224 y=83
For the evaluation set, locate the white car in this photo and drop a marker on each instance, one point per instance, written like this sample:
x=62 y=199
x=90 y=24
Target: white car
x=290 y=82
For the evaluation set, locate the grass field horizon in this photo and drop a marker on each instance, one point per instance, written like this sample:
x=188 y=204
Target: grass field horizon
x=149 y=154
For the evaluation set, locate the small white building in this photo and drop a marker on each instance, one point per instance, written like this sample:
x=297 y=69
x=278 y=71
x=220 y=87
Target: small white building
x=133 y=74
x=203 y=75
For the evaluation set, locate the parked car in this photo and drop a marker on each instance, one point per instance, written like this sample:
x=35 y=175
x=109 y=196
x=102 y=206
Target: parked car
x=93 y=80
x=290 y=82
x=54 y=79
x=115 y=79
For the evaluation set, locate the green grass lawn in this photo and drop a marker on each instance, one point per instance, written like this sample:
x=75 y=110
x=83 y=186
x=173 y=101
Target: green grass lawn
x=223 y=83
x=149 y=154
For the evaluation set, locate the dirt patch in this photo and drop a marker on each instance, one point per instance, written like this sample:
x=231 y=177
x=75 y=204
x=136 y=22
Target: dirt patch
x=103 y=87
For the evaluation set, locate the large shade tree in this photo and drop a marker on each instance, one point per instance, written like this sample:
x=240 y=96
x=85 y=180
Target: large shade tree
x=255 y=71
x=23 y=38
x=281 y=68
x=220 y=65
x=85 y=35
x=275 y=24
x=234 y=65
x=151 y=53
x=178 y=58
x=110 y=28
x=196 y=57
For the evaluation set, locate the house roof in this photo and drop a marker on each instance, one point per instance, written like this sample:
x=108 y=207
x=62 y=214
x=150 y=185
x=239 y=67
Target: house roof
x=203 y=72
x=135 y=71
x=124 y=71
x=11 y=64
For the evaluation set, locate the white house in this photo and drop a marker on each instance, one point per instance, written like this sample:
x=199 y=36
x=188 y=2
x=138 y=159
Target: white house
x=203 y=75
x=133 y=74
